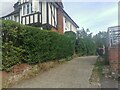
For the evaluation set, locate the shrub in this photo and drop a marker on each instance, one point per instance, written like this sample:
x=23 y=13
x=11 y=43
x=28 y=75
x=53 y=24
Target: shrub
x=72 y=36
x=81 y=47
x=26 y=44
x=85 y=46
x=44 y=45
x=11 y=44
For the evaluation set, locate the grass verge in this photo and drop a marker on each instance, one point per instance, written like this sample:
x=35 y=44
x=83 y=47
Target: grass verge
x=97 y=72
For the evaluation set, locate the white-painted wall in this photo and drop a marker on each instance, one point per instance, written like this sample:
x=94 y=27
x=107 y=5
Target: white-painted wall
x=35 y=5
x=20 y=16
x=68 y=26
x=44 y=13
x=36 y=18
x=50 y=14
x=31 y=19
x=23 y=20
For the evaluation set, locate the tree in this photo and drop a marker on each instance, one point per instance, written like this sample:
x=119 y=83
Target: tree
x=100 y=39
x=85 y=44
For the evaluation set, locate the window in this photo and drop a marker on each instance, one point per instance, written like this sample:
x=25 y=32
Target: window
x=66 y=21
x=70 y=27
x=24 y=10
x=27 y=8
x=40 y=3
x=15 y=18
x=11 y=17
x=31 y=6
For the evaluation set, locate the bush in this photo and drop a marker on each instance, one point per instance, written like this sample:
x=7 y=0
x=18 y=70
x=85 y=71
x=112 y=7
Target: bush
x=11 y=44
x=44 y=45
x=85 y=46
x=25 y=44
x=72 y=36
x=81 y=47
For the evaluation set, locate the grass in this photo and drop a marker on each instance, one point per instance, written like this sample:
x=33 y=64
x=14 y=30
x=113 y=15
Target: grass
x=97 y=72
x=99 y=65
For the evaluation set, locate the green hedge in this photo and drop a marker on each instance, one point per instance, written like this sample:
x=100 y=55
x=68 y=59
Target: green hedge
x=85 y=46
x=25 y=44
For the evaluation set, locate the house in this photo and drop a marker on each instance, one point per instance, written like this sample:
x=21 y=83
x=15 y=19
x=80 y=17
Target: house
x=43 y=14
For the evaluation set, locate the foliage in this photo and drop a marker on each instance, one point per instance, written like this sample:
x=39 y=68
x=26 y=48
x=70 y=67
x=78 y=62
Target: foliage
x=42 y=46
x=99 y=65
x=100 y=39
x=72 y=36
x=85 y=44
x=25 y=44
x=11 y=44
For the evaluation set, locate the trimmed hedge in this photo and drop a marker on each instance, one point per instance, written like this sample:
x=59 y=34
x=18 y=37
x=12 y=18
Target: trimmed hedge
x=26 y=44
x=85 y=46
x=72 y=36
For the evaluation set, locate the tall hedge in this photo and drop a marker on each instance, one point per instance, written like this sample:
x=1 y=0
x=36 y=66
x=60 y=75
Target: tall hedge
x=12 y=44
x=85 y=46
x=72 y=36
x=25 y=44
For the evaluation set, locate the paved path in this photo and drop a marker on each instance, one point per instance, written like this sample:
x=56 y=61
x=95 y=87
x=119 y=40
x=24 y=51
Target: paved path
x=109 y=83
x=72 y=74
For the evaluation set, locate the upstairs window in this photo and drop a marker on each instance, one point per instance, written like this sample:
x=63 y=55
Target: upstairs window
x=23 y=9
x=70 y=27
x=27 y=8
x=31 y=7
x=40 y=4
x=67 y=24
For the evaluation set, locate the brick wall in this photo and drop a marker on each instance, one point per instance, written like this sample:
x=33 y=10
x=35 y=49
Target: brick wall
x=60 y=21
x=59 y=28
x=114 y=58
x=54 y=29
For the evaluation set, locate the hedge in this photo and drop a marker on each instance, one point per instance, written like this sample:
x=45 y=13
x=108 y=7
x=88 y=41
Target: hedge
x=72 y=36
x=85 y=46
x=26 y=44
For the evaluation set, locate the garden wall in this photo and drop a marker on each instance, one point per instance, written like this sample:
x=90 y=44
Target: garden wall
x=114 y=58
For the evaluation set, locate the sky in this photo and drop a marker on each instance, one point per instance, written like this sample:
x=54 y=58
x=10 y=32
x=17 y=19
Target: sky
x=96 y=15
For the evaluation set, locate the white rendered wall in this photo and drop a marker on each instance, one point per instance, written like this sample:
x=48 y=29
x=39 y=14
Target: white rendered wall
x=51 y=19
x=67 y=26
x=44 y=13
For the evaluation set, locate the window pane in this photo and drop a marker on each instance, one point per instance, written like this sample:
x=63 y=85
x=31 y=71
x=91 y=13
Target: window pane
x=27 y=8
x=24 y=10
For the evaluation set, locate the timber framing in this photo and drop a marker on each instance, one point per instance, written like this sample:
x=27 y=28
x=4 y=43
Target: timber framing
x=48 y=15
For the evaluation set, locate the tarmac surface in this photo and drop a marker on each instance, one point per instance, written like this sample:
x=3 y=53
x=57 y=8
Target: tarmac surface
x=72 y=74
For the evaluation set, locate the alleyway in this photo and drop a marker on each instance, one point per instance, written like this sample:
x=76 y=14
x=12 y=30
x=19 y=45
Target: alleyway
x=72 y=74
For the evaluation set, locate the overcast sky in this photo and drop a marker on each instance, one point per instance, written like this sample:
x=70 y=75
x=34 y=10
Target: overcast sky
x=96 y=15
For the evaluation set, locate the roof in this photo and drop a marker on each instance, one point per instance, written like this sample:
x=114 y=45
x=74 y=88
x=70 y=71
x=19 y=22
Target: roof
x=70 y=19
x=58 y=3
x=114 y=26
x=12 y=13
